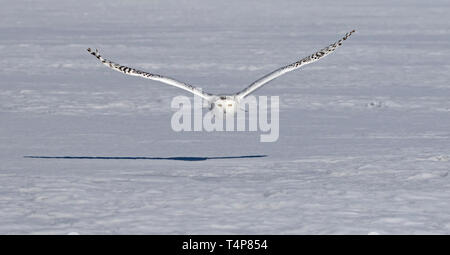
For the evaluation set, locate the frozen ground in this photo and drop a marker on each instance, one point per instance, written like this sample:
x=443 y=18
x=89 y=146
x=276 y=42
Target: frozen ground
x=364 y=142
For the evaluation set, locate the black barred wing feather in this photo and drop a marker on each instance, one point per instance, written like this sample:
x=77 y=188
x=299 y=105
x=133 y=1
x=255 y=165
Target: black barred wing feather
x=156 y=77
x=307 y=60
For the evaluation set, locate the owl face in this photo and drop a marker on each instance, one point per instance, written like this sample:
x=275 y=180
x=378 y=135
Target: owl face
x=225 y=105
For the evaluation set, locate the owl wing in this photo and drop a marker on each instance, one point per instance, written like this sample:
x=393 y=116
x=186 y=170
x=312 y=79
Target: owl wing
x=296 y=65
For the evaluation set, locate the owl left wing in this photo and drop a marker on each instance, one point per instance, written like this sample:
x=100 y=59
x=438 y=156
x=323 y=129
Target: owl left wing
x=285 y=69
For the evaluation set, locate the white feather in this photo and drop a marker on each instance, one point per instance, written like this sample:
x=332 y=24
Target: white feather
x=224 y=103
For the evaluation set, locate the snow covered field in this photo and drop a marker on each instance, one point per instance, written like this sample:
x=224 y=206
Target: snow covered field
x=364 y=133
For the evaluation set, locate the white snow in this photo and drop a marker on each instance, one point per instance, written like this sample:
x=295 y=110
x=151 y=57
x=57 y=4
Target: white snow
x=364 y=143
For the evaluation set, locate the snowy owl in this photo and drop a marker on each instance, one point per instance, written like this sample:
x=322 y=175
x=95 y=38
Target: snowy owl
x=227 y=103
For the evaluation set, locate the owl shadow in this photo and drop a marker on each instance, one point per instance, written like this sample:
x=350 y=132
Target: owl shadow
x=148 y=158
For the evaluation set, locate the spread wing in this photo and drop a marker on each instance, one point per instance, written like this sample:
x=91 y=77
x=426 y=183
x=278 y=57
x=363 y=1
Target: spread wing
x=156 y=77
x=307 y=60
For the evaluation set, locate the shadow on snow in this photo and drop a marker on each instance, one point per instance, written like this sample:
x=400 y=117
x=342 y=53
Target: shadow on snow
x=148 y=158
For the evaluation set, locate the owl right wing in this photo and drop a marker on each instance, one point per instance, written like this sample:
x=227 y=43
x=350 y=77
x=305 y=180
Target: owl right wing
x=156 y=77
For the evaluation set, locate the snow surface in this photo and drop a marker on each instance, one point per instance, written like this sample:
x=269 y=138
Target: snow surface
x=364 y=141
